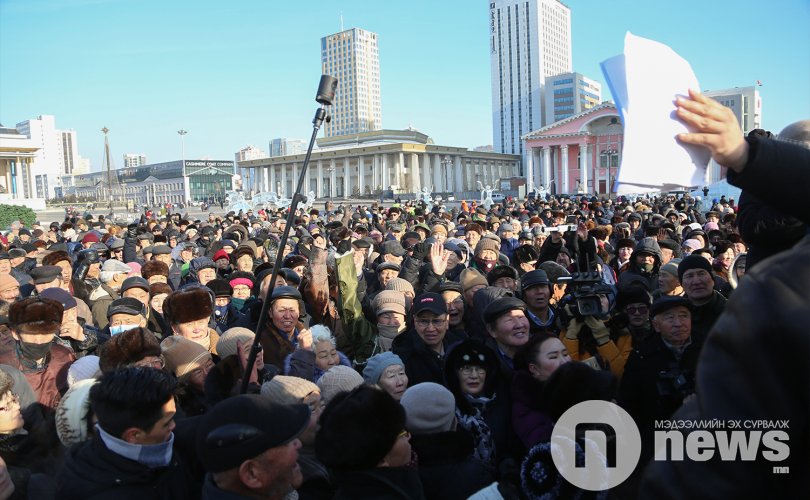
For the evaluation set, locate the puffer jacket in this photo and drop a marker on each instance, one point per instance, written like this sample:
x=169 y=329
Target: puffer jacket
x=633 y=273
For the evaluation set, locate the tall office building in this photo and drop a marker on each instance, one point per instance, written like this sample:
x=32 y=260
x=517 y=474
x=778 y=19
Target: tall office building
x=284 y=147
x=530 y=40
x=58 y=154
x=570 y=94
x=132 y=160
x=352 y=57
x=747 y=107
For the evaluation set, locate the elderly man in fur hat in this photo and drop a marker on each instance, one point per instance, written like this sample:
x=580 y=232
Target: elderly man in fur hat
x=34 y=322
x=188 y=313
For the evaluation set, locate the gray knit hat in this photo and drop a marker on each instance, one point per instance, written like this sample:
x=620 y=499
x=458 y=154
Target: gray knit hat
x=487 y=244
x=338 y=379
x=429 y=408
x=226 y=345
x=82 y=369
x=377 y=364
x=400 y=285
x=389 y=301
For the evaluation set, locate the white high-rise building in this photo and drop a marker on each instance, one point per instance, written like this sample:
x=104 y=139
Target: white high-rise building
x=352 y=56
x=284 y=147
x=247 y=153
x=132 y=160
x=747 y=107
x=58 y=154
x=530 y=40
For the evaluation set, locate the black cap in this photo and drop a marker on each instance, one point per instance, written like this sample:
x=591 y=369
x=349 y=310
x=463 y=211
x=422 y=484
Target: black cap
x=362 y=243
x=667 y=302
x=134 y=282
x=45 y=274
x=393 y=247
x=533 y=278
x=116 y=244
x=15 y=253
x=432 y=302
x=161 y=250
x=220 y=287
x=126 y=305
x=388 y=265
x=451 y=286
x=243 y=427
x=285 y=292
x=499 y=307
x=62 y=296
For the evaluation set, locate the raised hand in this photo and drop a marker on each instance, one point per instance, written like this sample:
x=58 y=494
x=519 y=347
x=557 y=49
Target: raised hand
x=438 y=258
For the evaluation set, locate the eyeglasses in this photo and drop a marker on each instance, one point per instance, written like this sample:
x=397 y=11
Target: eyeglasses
x=404 y=434
x=468 y=370
x=436 y=323
x=636 y=309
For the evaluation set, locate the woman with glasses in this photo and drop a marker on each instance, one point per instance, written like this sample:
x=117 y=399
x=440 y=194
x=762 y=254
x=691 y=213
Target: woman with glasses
x=482 y=401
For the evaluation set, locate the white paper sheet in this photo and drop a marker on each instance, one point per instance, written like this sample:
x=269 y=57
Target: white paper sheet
x=644 y=82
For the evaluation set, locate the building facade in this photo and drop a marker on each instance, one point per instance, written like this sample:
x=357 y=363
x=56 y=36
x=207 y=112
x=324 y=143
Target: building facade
x=746 y=104
x=530 y=40
x=132 y=160
x=579 y=154
x=570 y=94
x=352 y=56
x=17 y=155
x=249 y=152
x=57 y=154
x=284 y=147
x=158 y=183
x=402 y=161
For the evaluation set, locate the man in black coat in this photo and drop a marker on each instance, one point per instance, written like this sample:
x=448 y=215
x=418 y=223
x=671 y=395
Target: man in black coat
x=695 y=275
x=660 y=372
x=134 y=454
x=422 y=348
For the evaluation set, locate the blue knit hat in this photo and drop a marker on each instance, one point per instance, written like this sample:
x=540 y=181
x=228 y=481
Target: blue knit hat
x=377 y=364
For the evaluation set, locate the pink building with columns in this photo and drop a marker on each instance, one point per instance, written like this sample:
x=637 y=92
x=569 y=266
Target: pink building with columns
x=572 y=155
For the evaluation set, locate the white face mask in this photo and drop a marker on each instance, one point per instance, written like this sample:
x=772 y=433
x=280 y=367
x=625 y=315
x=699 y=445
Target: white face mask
x=115 y=330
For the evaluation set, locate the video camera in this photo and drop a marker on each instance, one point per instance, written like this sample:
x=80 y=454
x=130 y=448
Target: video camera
x=583 y=296
x=674 y=382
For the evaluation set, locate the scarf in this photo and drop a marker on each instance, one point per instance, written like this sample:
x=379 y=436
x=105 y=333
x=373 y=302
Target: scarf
x=476 y=425
x=150 y=455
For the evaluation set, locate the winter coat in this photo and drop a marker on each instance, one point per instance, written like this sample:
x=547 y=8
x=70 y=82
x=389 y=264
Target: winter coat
x=703 y=317
x=275 y=345
x=92 y=471
x=754 y=368
x=422 y=364
x=389 y=483
x=48 y=381
x=633 y=273
x=101 y=298
x=444 y=456
x=529 y=420
x=301 y=364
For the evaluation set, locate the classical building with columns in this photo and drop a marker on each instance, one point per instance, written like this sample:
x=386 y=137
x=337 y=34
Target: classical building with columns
x=580 y=154
x=17 y=154
x=402 y=161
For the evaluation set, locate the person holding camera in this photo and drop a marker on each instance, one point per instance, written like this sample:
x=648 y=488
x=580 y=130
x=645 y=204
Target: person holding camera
x=660 y=372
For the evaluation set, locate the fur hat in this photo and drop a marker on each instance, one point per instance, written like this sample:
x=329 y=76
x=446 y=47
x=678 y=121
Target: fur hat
x=52 y=258
x=183 y=356
x=185 y=306
x=154 y=268
x=159 y=288
x=227 y=343
x=6 y=382
x=338 y=379
x=429 y=408
x=72 y=414
x=358 y=429
x=126 y=348
x=286 y=390
x=35 y=315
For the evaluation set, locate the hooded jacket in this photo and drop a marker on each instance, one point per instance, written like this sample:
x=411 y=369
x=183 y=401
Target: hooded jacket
x=634 y=273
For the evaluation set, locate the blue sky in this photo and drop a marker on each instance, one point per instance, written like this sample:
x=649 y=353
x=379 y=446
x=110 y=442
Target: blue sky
x=243 y=72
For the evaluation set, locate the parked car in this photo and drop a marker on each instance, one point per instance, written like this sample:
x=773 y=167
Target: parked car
x=498 y=197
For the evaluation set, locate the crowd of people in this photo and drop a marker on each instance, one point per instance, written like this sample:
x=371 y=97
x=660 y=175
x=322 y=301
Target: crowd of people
x=409 y=351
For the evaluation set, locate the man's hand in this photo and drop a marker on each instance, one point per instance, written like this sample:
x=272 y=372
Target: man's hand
x=438 y=258
x=713 y=126
x=304 y=339
x=319 y=243
x=243 y=352
x=72 y=331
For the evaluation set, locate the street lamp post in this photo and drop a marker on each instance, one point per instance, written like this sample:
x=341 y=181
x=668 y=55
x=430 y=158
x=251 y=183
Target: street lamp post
x=186 y=182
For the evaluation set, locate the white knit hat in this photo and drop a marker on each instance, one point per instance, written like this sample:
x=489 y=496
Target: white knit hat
x=226 y=345
x=83 y=368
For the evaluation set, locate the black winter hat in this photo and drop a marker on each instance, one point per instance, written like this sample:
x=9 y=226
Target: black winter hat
x=243 y=427
x=358 y=428
x=220 y=287
x=693 y=262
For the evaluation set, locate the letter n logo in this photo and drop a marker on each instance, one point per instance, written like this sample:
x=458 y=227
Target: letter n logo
x=580 y=431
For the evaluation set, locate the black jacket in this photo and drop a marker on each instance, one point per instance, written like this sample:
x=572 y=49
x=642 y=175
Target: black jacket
x=703 y=317
x=422 y=364
x=389 y=483
x=446 y=456
x=754 y=367
x=92 y=471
